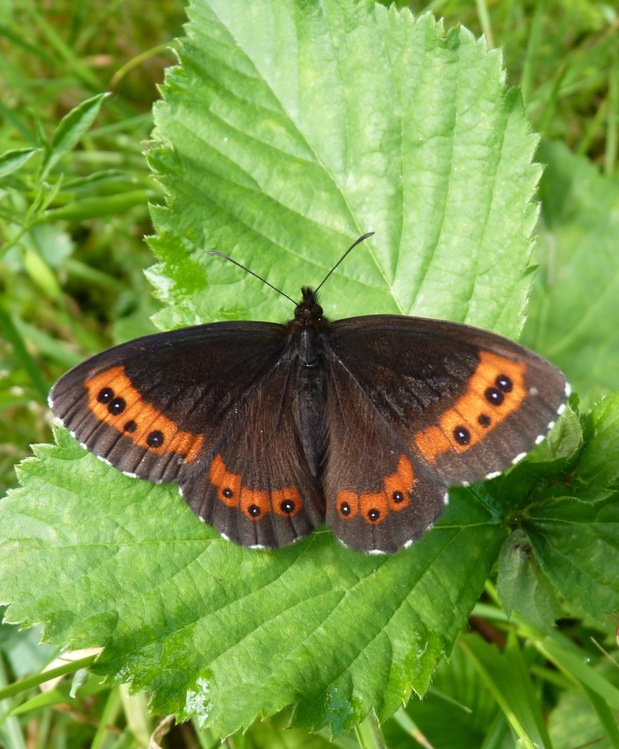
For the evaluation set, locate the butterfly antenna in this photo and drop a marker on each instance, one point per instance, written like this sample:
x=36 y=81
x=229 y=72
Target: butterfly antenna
x=350 y=249
x=252 y=273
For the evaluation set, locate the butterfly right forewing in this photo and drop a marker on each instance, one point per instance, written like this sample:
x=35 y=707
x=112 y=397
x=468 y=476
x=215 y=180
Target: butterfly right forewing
x=212 y=408
x=467 y=402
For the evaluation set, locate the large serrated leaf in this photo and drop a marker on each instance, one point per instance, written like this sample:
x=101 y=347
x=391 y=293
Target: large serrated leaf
x=288 y=129
x=220 y=632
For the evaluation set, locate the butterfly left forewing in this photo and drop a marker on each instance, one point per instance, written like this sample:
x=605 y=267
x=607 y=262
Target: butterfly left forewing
x=467 y=403
x=153 y=407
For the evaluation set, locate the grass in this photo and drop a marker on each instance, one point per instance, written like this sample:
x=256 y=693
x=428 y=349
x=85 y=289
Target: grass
x=71 y=283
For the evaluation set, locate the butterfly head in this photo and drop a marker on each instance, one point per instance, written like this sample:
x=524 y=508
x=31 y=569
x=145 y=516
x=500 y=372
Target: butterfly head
x=308 y=309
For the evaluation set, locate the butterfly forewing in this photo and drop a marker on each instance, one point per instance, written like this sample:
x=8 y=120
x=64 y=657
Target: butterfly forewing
x=466 y=402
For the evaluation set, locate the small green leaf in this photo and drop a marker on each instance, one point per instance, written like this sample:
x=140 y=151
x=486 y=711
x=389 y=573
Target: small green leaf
x=11 y=161
x=100 y=206
x=574 y=662
x=41 y=274
x=69 y=131
x=523 y=586
x=575 y=535
x=598 y=467
x=507 y=676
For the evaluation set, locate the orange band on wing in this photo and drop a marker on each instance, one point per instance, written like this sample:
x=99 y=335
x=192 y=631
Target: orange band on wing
x=495 y=391
x=115 y=401
x=375 y=506
x=255 y=503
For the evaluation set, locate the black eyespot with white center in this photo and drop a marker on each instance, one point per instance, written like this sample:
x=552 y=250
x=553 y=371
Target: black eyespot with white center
x=287 y=506
x=504 y=383
x=117 y=406
x=494 y=396
x=155 y=438
x=345 y=509
x=254 y=511
x=397 y=497
x=227 y=492
x=373 y=515
x=462 y=435
x=105 y=395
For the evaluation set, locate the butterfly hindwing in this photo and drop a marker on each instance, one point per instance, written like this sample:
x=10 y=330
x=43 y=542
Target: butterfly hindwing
x=378 y=500
x=258 y=490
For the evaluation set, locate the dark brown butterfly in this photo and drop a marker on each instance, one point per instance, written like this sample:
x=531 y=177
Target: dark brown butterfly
x=271 y=430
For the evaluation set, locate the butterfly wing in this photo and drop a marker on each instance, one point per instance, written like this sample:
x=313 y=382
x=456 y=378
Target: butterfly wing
x=377 y=498
x=452 y=405
x=258 y=490
x=182 y=406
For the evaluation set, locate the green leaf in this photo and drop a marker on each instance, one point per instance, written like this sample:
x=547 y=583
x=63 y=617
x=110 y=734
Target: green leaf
x=507 y=677
x=578 y=716
x=575 y=536
x=523 y=586
x=573 y=661
x=287 y=130
x=70 y=130
x=223 y=633
x=98 y=207
x=574 y=307
x=458 y=712
x=598 y=467
x=290 y=129
x=11 y=161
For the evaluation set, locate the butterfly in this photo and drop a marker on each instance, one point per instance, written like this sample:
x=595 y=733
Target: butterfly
x=272 y=430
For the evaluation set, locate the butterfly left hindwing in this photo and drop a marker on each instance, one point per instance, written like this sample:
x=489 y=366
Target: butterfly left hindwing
x=258 y=490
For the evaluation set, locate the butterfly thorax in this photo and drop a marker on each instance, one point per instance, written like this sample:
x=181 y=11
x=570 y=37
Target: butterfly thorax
x=307 y=328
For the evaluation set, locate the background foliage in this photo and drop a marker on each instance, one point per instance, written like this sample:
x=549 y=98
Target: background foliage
x=73 y=214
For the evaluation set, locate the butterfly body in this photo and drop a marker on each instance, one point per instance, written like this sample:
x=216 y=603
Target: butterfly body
x=271 y=430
